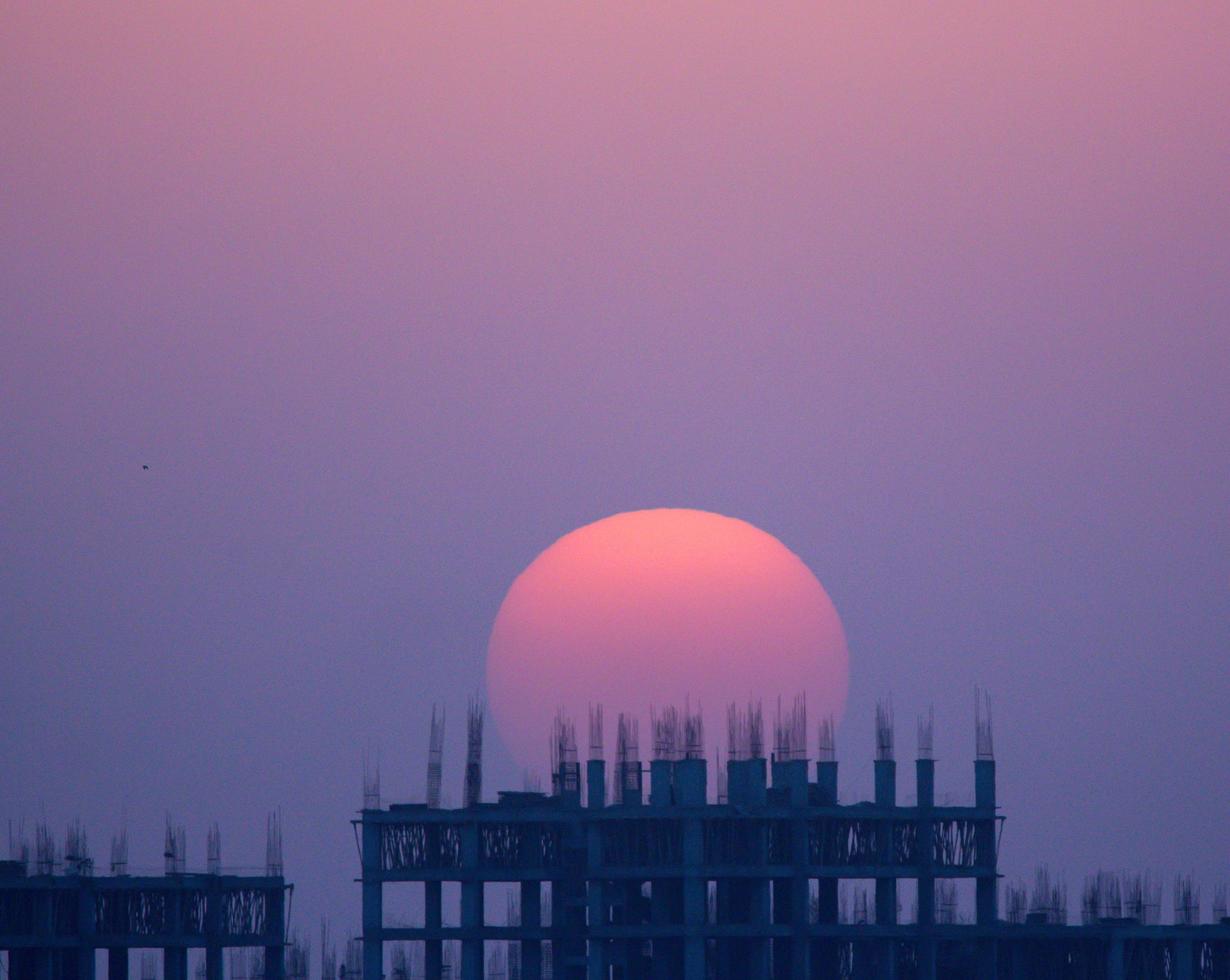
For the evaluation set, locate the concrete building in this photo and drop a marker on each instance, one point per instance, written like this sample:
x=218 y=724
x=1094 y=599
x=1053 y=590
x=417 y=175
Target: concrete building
x=615 y=879
x=56 y=913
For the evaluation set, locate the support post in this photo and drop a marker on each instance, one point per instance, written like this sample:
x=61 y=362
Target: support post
x=471 y=907
x=987 y=887
x=373 y=901
x=924 y=772
x=433 y=919
x=531 y=918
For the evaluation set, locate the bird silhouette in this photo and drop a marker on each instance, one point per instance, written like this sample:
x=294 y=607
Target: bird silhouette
x=145 y=466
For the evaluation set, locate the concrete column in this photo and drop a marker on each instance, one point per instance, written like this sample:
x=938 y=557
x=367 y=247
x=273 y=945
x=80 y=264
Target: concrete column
x=660 y=773
x=86 y=917
x=275 y=962
x=824 y=953
x=373 y=901
x=471 y=907
x=1184 y=959
x=695 y=887
x=690 y=782
x=1115 y=959
x=986 y=896
x=924 y=774
x=213 y=930
x=174 y=963
x=886 y=888
x=595 y=784
x=531 y=918
x=433 y=918
x=746 y=782
x=175 y=958
x=597 y=958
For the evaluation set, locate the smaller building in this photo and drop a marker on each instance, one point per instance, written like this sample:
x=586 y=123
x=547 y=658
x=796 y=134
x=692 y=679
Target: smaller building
x=56 y=913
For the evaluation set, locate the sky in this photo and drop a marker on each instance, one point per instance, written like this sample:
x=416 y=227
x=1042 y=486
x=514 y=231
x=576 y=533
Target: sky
x=389 y=298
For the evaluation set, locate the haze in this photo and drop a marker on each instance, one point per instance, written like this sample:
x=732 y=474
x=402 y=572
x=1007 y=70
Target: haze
x=388 y=299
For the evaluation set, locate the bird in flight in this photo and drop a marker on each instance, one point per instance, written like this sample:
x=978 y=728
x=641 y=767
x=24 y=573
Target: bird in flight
x=145 y=466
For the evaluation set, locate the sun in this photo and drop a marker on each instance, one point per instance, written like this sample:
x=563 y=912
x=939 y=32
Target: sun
x=659 y=607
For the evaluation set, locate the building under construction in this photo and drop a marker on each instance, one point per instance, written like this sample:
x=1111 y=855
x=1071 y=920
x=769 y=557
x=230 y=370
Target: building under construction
x=56 y=913
x=765 y=875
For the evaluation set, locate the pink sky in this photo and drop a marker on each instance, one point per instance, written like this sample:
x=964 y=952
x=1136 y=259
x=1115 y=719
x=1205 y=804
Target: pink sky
x=391 y=297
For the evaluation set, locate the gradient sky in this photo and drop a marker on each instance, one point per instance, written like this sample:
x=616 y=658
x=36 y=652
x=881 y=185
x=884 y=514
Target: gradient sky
x=390 y=298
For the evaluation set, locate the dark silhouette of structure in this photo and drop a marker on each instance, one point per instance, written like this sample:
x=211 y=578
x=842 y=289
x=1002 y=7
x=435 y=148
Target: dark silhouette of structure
x=668 y=884
x=55 y=912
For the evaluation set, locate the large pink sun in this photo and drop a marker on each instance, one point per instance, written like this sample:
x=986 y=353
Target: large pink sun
x=655 y=607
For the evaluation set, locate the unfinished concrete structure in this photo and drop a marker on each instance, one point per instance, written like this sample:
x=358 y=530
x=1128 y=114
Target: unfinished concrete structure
x=659 y=881
x=56 y=913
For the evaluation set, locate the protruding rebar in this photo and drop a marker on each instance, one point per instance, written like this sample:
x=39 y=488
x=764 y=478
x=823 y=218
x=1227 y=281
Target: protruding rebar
x=666 y=733
x=595 y=731
x=565 y=770
x=273 y=845
x=213 y=850
x=1186 y=901
x=745 y=732
x=1049 y=899
x=174 y=850
x=1016 y=903
x=328 y=953
x=790 y=731
x=828 y=740
x=926 y=734
x=435 y=758
x=628 y=758
x=297 y=964
x=1142 y=899
x=884 y=730
x=77 y=859
x=984 y=747
x=474 y=753
x=119 y=852
x=19 y=847
x=44 y=850
x=693 y=733
x=371 y=780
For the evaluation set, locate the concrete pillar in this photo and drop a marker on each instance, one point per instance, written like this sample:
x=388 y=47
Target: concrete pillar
x=691 y=782
x=1184 y=959
x=924 y=775
x=433 y=918
x=886 y=888
x=746 y=782
x=597 y=958
x=471 y=907
x=824 y=953
x=695 y=887
x=1115 y=965
x=275 y=954
x=660 y=773
x=791 y=777
x=531 y=918
x=826 y=783
x=986 y=897
x=595 y=784
x=174 y=963
x=86 y=921
x=373 y=901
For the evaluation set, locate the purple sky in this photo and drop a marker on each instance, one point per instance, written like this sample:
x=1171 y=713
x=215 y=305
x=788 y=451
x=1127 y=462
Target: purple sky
x=388 y=301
